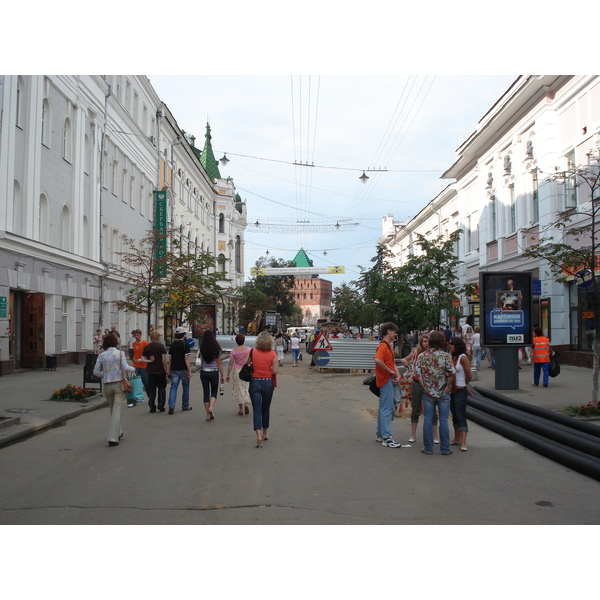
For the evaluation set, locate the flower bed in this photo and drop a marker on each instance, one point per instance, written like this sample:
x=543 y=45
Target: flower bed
x=72 y=393
x=585 y=410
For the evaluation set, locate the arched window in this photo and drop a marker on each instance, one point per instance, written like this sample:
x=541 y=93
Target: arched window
x=238 y=254
x=46 y=123
x=221 y=223
x=65 y=228
x=20 y=117
x=17 y=208
x=221 y=261
x=67 y=149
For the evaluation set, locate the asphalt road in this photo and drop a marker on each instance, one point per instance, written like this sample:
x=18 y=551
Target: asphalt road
x=321 y=466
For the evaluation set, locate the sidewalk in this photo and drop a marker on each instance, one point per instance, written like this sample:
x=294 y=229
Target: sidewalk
x=25 y=394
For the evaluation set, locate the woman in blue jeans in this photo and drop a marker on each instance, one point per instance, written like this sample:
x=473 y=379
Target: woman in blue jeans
x=458 y=396
x=211 y=369
x=264 y=368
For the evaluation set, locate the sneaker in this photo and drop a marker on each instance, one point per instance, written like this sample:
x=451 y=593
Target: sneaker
x=130 y=405
x=187 y=408
x=379 y=439
x=391 y=443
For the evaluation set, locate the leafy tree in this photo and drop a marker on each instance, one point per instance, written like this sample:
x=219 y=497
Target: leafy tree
x=191 y=280
x=142 y=268
x=279 y=288
x=346 y=303
x=570 y=245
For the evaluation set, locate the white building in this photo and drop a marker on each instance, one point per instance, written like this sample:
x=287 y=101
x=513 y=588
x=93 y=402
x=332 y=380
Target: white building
x=81 y=158
x=503 y=196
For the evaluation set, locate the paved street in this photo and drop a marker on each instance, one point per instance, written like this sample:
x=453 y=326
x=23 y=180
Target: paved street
x=321 y=466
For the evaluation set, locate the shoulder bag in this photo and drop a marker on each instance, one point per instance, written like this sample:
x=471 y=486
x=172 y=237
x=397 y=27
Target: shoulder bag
x=125 y=383
x=246 y=371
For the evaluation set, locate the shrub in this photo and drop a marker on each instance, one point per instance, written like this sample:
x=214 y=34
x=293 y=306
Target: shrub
x=72 y=392
x=585 y=410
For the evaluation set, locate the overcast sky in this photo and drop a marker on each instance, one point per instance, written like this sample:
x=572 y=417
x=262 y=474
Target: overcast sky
x=407 y=125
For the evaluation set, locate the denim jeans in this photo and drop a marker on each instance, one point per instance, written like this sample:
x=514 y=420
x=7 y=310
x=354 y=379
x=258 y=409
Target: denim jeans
x=477 y=356
x=416 y=400
x=295 y=353
x=176 y=377
x=537 y=367
x=144 y=375
x=210 y=385
x=261 y=394
x=458 y=408
x=385 y=411
x=429 y=405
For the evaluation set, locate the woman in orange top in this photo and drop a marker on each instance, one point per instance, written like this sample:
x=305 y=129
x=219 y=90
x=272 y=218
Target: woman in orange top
x=138 y=348
x=264 y=366
x=541 y=356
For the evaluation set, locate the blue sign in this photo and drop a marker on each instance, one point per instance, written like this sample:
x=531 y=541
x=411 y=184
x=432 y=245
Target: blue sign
x=321 y=358
x=536 y=287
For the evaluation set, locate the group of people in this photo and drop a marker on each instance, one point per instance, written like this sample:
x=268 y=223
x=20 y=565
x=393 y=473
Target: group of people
x=155 y=365
x=439 y=388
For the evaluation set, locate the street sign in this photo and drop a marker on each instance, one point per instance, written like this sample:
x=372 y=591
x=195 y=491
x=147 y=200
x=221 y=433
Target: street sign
x=321 y=343
x=321 y=358
x=295 y=270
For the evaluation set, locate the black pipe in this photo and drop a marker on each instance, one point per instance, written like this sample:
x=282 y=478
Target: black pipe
x=584 y=426
x=558 y=452
x=544 y=427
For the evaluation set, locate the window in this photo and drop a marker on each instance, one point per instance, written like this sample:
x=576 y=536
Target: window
x=221 y=261
x=64 y=325
x=43 y=218
x=17 y=208
x=20 y=103
x=46 y=124
x=221 y=223
x=535 y=208
x=86 y=155
x=67 y=147
x=238 y=254
x=513 y=208
x=468 y=236
x=65 y=228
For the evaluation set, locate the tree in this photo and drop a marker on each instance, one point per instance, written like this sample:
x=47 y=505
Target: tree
x=142 y=267
x=570 y=244
x=191 y=280
x=346 y=303
x=279 y=288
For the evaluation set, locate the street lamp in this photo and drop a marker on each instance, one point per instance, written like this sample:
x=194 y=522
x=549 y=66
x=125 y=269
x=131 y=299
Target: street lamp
x=224 y=160
x=364 y=177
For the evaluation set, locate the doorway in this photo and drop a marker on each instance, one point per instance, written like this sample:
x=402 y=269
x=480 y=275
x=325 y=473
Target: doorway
x=27 y=321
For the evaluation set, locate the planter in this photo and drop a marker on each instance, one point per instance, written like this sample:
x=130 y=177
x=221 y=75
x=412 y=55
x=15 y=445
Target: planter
x=74 y=399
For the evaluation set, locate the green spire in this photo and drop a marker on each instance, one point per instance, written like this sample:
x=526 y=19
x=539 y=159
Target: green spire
x=207 y=158
x=302 y=259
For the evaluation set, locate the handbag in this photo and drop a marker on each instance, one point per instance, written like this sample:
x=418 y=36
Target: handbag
x=372 y=383
x=137 y=389
x=246 y=371
x=125 y=383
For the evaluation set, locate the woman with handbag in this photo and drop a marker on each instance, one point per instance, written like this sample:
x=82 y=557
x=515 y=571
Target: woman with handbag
x=237 y=358
x=264 y=369
x=112 y=367
x=211 y=368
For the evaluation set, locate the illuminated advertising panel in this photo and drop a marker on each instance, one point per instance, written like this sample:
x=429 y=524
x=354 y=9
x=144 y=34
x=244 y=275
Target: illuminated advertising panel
x=506 y=308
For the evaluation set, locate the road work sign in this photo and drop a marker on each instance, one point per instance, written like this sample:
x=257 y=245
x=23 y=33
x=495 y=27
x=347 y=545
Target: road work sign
x=321 y=343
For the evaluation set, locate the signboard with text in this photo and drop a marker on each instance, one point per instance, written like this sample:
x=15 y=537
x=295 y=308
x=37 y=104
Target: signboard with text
x=506 y=308
x=160 y=224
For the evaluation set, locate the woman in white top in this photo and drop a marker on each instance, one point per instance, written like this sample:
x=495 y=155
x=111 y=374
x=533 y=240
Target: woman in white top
x=295 y=346
x=459 y=393
x=279 y=348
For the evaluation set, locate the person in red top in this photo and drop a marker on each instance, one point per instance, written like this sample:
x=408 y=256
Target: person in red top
x=541 y=356
x=264 y=366
x=386 y=376
x=138 y=346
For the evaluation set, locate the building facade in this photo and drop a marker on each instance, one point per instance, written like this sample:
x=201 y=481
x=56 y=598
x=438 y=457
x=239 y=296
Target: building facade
x=504 y=194
x=313 y=295
x=81 y=158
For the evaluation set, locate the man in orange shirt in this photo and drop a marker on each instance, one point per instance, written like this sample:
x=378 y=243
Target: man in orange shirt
x=386 y=375
x=541 y=356
x=140 y=367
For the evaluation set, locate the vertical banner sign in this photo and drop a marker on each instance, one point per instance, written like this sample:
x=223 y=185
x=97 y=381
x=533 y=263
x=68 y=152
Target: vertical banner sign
x=506 y=308
x=160 y=224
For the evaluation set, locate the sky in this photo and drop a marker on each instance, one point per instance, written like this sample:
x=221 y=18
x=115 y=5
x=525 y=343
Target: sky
x=402 y=130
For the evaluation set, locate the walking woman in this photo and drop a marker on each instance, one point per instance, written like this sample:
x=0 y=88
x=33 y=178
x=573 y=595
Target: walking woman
x=111 y=367
x=459 y=393
x=477 y=348
x=211 y=369
x=237 y=359
x=416 y=391
x=264 y=367
x=279 y=348
x=295 y=346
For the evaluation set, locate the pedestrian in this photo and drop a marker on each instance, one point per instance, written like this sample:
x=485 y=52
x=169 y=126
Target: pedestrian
x=114 y=331
x=111 y=367
x=416 y=391
x=211 y=368
x=179 y=370
x=295 y=346
x=468 y=338
x=460 y=392
x=98 y=341
x=262 y=384
x=435 y=372
x=477 y=347
x=386 y=376
x=130 y=345
x=237 y=359
x=541 y=356
x=279 y=348
x=138 y=346
x=155 y=357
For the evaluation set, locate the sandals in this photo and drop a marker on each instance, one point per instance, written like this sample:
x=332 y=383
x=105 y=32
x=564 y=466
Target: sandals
x=463 y=448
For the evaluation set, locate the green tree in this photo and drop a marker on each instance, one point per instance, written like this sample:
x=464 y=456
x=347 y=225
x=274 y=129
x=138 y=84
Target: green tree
x=279 y=288
x=141 y=269
x=570 y=244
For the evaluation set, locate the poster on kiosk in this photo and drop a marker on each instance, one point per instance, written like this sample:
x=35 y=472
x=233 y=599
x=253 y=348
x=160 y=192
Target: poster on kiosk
x=506 y=308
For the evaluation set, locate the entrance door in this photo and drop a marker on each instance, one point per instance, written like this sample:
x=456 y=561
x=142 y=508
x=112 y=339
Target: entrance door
x=32 y=331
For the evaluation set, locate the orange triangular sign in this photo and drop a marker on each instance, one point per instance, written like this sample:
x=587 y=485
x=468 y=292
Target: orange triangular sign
x=321 y=343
